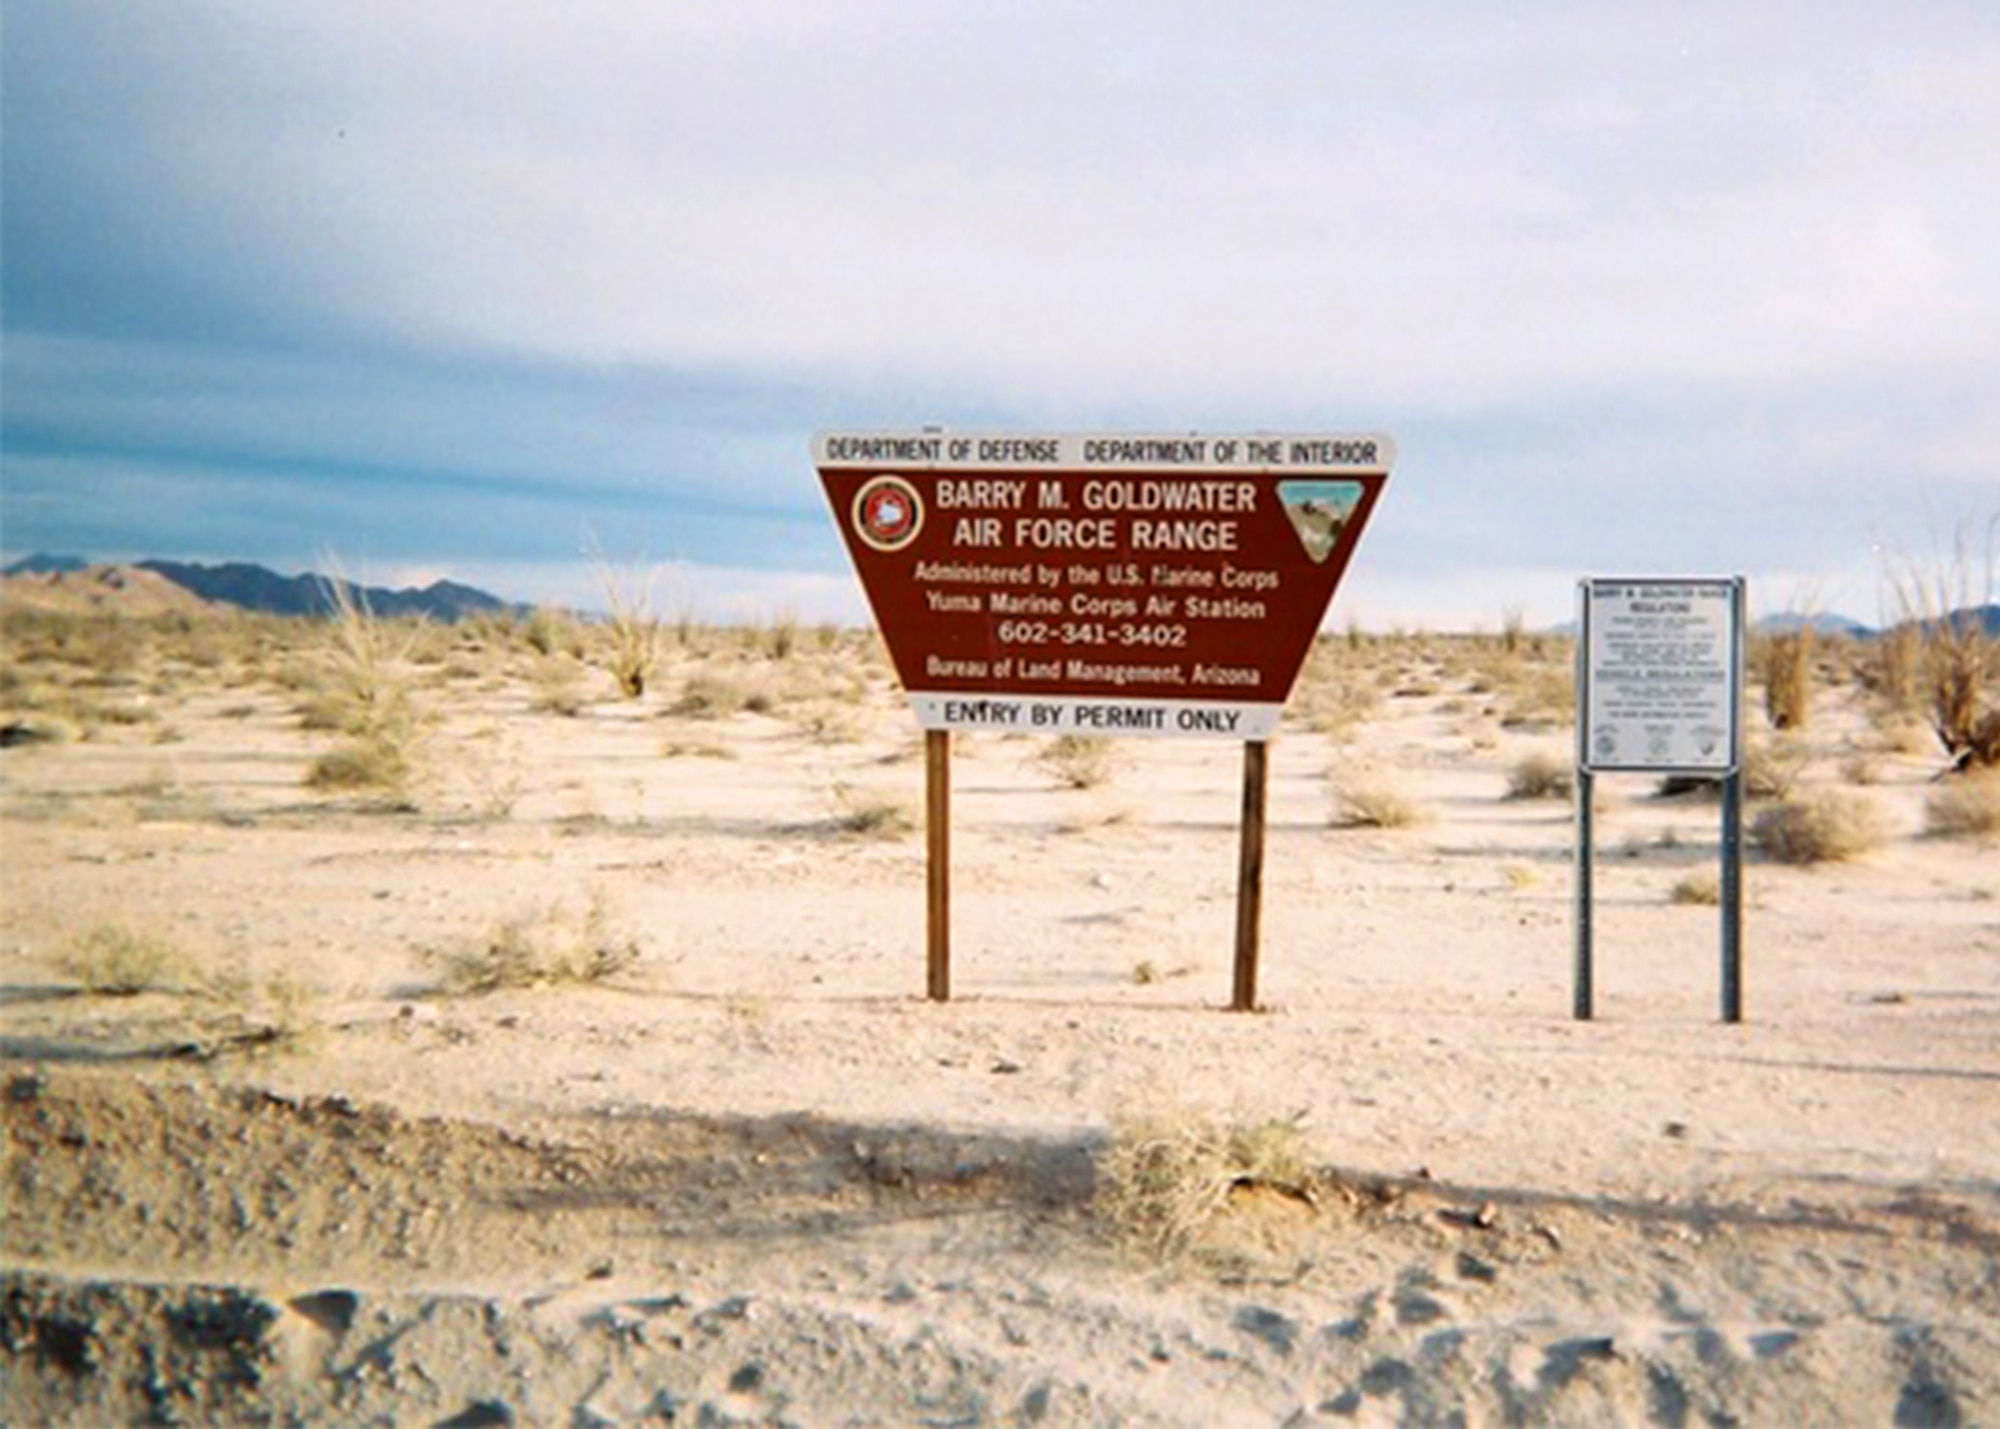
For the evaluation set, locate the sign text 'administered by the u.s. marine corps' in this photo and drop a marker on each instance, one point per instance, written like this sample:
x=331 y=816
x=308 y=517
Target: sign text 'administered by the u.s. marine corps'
x=1101 y=583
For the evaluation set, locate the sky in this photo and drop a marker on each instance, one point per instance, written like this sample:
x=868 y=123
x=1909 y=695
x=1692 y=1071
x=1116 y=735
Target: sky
x=522 y=293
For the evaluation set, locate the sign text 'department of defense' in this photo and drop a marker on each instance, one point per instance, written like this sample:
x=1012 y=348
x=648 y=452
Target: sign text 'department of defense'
x=1101 y=584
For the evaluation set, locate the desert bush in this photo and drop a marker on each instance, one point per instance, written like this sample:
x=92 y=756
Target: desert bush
x=630 y=637
x=1831 y=826
x=1078 y=761
x=1165 y=1175
x=1771 y=770
x=869 y=814
x=365 y=694
x=1786 y=663
x=1538 y=696
x=1965 y=808
x=548 y=948
x=1542 y=775
x=712 y=695
x=781 y=639
x=1363 y=800
x=558 y=683
x=359 y=683
x=1701 y=888
x=113 y=961
x=550 y=632
x=1957 y=654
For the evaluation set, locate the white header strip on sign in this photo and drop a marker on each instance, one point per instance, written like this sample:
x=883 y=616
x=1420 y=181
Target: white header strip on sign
x=1109 y=451
x=1083 y=715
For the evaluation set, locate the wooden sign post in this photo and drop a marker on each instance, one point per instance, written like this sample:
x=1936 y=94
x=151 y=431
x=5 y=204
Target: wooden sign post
x=1100 y=585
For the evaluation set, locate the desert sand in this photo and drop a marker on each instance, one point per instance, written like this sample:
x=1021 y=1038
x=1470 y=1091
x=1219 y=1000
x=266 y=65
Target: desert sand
x=588 y=1078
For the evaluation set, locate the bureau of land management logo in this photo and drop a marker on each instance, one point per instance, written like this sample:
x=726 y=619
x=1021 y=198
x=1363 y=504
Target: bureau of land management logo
x=888 y=513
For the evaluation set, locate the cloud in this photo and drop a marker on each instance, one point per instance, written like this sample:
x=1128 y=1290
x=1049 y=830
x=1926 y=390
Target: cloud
x=1624 y=281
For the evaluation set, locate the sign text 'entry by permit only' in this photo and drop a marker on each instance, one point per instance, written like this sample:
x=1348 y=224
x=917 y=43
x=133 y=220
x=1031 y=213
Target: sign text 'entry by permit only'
x=1101 y=584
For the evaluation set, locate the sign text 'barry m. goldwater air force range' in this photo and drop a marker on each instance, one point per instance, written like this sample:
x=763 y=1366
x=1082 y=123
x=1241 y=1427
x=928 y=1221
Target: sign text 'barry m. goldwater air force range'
x=1101 y=584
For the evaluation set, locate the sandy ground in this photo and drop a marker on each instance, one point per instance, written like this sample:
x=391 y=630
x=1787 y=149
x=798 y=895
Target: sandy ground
x=751 y=1176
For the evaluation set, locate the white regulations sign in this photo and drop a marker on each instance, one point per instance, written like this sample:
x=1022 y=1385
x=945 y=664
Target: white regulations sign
x=1660 y=675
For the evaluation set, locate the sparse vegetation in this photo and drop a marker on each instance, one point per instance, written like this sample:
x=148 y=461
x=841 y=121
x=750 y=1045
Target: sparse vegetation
x=1957 y=654
x=868 y=814
x=1701 y=888
x=1367 y=800
x=111 y=960
x=1771 y=770
x=630 y=637
x=1785 y=660
x=1078 y=761
x=1830 y=826
x=1166 y=1175
x=1542 y=775
x=1965 y=808
x=548 y=948
x=366 y=695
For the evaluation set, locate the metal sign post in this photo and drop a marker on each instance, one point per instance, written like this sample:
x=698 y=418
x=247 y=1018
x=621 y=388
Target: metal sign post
x=1660 y=691
x=1100 y=584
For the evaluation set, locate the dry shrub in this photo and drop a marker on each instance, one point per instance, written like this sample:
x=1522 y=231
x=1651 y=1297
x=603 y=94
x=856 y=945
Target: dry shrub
x=712 y=695
x=871 y=815
x=1539 y=696
x=551 y=632
x=1831 y=826
x=1772 y=770
x=1370 y=801
x=1702 y=889
x=631 y=633
x=1542 y=775
x=1957 y=654
x=558 y=685
x=114 y=961
x=1165 y=1175
x=1967 y=807
x=546 y=949
x=366 y=695
x=1078 y=761
x=1786 y=664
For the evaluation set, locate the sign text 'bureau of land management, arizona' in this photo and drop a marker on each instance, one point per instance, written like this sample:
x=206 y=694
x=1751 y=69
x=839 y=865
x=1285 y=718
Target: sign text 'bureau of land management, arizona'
x=1101 y=584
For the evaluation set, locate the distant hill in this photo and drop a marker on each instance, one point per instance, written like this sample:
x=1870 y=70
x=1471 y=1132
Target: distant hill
x=96 y=590
x=1987 y=616
x=1790 y=622
x=252 y=587
x=40 y=564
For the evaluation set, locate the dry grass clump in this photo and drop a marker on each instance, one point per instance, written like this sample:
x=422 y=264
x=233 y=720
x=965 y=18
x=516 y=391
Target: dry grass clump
x=1773 y=770
x=871 y=814
x=1700 y=889
x=1364 y=799
x=1968 y=807
x=558 y=686
x=713 y=694
x=366 y=693
x=550 y=948
x=1786 y=663
x=629 y=640
x=1166 y=1175
x=1831 y=826
x=1079 y=761
x=550 y=632
x=1542 y=775
x=114 y=961
x=1957 y=656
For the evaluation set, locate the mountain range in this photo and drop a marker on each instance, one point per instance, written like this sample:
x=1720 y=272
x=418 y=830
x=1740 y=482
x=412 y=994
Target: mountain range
x=254 y=587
